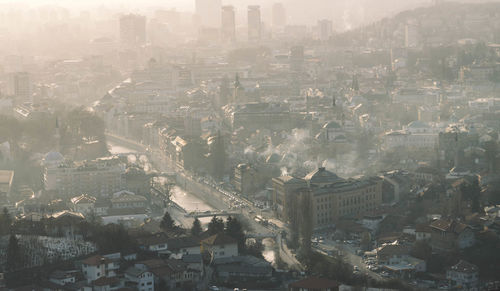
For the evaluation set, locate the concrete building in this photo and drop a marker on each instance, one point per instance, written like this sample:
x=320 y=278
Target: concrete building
x=254 y=23
x=20 y=85
x=331 y=197
x=285 y=191
x=245 y=179
x=100 y=177
x=228 y=22
x=324 y=29
x=334 y=197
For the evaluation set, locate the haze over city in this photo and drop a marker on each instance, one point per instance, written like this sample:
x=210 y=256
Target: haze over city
x=230 y=145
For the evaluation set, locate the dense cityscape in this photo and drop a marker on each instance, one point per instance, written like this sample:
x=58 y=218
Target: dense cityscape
x=244 y=146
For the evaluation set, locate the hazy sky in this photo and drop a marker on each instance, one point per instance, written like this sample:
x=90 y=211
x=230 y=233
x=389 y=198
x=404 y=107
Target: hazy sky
x=348 y=12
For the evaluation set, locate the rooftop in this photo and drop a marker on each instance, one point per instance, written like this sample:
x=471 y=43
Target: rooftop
x=464 y=267
x=322 y=176
x=314 y=283
x=219 y=239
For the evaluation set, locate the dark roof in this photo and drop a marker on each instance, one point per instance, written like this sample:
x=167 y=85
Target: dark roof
x=231 y=268
x=290 y=180
x=29 y=288
x=423 y=228
x=321 y=176
x=449 y=226
x=192 y=258
x=135 y=272
x=391 y=250
x=105 y=281
x=58 y=274
x=153 y=239
x=182 y=242
x=314 y=283
x=464 y=267
x=219 y=239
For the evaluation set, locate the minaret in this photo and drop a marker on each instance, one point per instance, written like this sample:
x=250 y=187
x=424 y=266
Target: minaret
x=57 y=136
x=239 y=91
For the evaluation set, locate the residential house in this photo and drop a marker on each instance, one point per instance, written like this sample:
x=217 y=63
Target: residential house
x=83 y=203
x=187 y=245
x=392 y=254
x=175 y=274
x=154 y=242
x=448 y=235
x=62 y=278
x=423 y=232
x=463 y=275
x=396 y=259
x=242 y=268
x=140 y=278
x=107 y=284
x=97 y=267
x=220 y=246
x=126 y=199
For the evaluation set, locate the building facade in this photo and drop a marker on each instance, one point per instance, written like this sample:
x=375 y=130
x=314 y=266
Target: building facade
x=332 y=197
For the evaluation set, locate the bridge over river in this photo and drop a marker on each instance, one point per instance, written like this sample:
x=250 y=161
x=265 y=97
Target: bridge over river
x=199 y=214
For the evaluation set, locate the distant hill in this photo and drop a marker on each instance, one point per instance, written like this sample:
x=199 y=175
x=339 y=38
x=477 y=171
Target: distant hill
x=435 y=25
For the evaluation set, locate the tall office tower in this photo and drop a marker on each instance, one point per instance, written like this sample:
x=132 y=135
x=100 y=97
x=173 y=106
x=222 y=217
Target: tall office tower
x=279 y=15
x=209 y=13
x=324 y=29
x=228 y=24
x=254 y=24
x=411 y=35
x=133 y=29
x=20 y=85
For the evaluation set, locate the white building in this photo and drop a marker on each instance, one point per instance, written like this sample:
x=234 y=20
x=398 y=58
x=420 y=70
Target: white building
x=99 y=177
x=83 y=203
x=141 y=277
x=220 y=246
x=463 y=275
x=96 y=267
x=62 y=278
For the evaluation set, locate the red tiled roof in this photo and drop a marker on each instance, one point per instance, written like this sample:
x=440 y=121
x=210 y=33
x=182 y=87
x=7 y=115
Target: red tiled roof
x=104 y=281
x=96 y=260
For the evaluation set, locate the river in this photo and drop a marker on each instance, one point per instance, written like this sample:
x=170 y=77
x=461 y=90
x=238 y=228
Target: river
x=190 y=202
